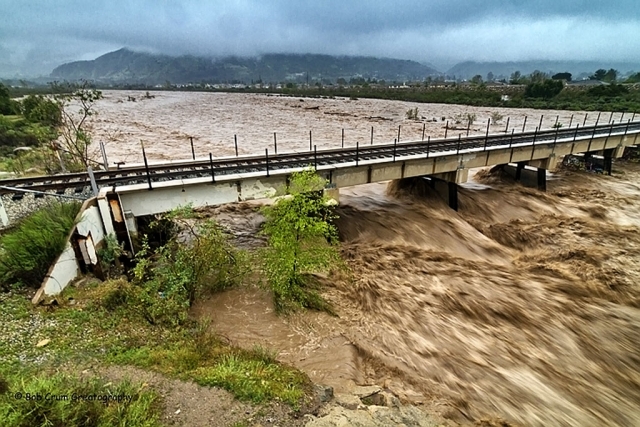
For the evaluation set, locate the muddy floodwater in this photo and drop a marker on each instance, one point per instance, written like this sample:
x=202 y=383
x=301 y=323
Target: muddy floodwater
x=523 y=306
x=166 y=122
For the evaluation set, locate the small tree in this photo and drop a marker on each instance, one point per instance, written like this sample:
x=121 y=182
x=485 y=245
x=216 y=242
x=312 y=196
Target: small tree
x=302 y=240
x=75 y=128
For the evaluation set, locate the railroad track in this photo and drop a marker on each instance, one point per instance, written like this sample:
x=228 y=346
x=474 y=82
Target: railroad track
x=269 y=162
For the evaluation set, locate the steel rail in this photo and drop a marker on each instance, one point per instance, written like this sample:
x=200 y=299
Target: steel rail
x=256 y=163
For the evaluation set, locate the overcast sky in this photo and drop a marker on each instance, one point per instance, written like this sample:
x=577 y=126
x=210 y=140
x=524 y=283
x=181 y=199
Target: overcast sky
x=38 y=35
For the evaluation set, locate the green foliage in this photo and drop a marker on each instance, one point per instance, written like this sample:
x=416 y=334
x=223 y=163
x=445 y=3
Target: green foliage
x=40 y=109
x=110 y=253
x=545 y=89
x=169 y=279
x=27 y=252
x=301 y=241
x=47 y=409
x=562 y=76
x=612 y=90
x=7 y=106
x=496 y=117
x=634 y=78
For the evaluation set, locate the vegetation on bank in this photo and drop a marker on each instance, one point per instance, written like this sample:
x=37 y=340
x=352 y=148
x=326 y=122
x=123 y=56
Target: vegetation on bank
x=144 y=321
x=302 y=240
x=44 y=133
x=28 y=249
x=66 y=400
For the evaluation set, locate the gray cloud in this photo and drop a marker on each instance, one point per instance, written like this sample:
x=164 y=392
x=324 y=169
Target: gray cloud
x=37 y=35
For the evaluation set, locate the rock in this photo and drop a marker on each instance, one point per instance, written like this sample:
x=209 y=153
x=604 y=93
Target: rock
x=375 y=399
x=389 y=399
x=366 y=391
x=44 y=342
x=348 y=401
x=324 y=393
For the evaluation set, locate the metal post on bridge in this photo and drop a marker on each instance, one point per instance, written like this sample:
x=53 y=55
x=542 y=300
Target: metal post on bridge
x=395 y=144
x=342 y=137
x=506 y=129
x=584 y=123
x=486 y=136
x=357 y=151
x=627 y=128
x=540 y=125
x=570 y=121
x=213 y=174
x=633 y=116
x=535 y=136
x=92 y=178
x=424 y=127
x=266 y=155
x=315 y=157
x=524 y=124
x=511 y=139
x=622 y=117
x=275 y=143
x=310 y=142
x=146 y=166
x=459 y=140
x=193 y=151
x=371 y=135
x=555 y=125
x=104 y=156
x=598 y=119
x=399 y=133
x=428 y=145
x=235 y=140
x=610 y=117
x=446 y=129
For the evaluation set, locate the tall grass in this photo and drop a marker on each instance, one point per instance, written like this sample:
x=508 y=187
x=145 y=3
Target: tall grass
x=60 y=400
x=27 y=251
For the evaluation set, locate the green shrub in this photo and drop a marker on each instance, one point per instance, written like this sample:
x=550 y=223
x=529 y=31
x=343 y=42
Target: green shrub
x=53 y=402
x=301 y=241
x=170 y=278
x=27 y=252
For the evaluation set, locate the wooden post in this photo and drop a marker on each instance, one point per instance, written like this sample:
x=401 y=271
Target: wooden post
x=193 y=151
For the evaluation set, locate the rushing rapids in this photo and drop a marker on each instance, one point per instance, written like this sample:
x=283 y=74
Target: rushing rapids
x=523 y=305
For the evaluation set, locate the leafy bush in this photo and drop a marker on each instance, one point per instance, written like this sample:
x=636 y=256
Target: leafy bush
x=546 y=89
x=27 y=251
x=53 y=403
x=170 y=278
x=39 y=109
x=301 y=241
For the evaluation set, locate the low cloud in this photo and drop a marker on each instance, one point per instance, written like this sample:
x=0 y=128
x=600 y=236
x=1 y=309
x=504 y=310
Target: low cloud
x=39 y=35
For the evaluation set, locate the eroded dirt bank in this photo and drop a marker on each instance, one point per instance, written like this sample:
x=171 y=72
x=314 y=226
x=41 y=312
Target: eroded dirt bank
x=523 y=306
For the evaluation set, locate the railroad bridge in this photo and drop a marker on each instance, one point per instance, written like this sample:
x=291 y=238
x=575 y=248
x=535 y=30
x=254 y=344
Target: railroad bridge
x=205 y=182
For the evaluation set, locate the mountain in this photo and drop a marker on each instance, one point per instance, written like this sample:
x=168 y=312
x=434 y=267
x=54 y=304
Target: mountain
x=468 y=69
x=127 y=66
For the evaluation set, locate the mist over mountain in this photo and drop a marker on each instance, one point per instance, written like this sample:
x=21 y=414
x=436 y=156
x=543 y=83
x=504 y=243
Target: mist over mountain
x=127 y=66
x=468 y=69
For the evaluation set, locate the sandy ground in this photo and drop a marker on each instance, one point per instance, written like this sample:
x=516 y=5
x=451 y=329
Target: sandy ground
x=165 y=123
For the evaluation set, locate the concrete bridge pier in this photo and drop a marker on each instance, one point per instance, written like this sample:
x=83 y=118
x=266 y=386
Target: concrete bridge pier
x=529 y=177
x=446 y=185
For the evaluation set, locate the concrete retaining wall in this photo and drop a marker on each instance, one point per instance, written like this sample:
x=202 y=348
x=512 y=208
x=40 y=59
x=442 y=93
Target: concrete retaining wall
x=79 y=253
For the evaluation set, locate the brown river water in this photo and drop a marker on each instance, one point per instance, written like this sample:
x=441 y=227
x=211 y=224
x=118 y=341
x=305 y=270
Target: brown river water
x=523 y=305
x=165 y=123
